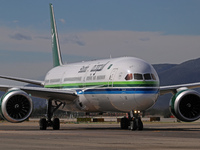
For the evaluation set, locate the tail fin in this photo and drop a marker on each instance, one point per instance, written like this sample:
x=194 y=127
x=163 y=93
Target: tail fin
x=57 y=59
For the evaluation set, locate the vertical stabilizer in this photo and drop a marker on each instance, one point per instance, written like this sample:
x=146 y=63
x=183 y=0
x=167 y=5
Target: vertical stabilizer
x=57 y=60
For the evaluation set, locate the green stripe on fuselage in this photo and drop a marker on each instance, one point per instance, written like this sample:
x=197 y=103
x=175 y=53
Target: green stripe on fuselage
x=106 y=84
x=135 y=84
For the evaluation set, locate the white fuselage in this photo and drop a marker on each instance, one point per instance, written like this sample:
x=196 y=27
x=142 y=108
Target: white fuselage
x=120 y=84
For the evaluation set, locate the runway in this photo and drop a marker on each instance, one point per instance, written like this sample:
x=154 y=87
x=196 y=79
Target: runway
x=104 y=136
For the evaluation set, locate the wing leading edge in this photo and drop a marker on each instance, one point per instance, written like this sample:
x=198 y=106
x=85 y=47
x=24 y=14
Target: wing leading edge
x=46 y=93
x=173 y=88
x=36 y=82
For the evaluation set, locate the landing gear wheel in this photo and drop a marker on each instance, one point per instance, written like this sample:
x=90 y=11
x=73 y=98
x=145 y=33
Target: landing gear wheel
x=140 y=124
x=124 y=123
x=56 y=124
x=43 y=124
x=134 y=121
x=133 y=125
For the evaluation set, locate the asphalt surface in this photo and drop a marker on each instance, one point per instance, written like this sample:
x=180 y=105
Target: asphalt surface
x=104 y=136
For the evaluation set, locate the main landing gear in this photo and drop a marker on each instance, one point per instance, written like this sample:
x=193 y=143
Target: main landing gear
x=44 y=123
x=133 y=122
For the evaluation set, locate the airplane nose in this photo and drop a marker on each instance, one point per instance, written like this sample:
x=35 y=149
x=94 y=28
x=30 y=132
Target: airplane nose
x=145 y=97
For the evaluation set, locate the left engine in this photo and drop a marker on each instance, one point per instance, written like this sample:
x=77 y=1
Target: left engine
x=185 y=105
x=16 y=106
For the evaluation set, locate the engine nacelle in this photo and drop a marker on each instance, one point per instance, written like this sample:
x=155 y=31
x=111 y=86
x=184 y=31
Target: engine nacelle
x=185 y=105
x=16 y=106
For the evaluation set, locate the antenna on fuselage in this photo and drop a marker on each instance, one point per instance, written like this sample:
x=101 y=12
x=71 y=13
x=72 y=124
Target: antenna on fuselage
x=57 y=59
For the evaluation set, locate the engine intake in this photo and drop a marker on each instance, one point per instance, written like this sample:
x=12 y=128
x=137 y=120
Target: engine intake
x=185 y=105
x=16 y=106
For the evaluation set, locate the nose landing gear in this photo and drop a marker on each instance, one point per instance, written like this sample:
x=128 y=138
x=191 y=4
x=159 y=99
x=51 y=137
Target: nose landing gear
x=133 y=122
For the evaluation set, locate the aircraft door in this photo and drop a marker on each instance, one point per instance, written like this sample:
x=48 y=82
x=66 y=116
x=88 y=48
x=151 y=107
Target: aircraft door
x=112 y=76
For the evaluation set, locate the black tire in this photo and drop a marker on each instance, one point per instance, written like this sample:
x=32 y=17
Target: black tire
x=56 y=124
x=124 y=123
x=43 y=124
x=140 y=124
x=133 y=125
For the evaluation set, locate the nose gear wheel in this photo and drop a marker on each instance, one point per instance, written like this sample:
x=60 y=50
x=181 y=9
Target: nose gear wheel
x=133 y=122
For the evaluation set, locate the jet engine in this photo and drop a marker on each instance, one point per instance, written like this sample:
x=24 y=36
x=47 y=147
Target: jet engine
x=185 y=105
x=16 y=106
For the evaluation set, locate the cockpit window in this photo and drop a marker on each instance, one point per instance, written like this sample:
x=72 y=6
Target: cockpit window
x=153 y=76
x=138 y=76
x=129 y=76
x=147 y=76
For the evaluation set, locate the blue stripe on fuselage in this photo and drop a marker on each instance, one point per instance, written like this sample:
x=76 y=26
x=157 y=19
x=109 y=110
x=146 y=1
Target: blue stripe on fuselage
x=120 y=91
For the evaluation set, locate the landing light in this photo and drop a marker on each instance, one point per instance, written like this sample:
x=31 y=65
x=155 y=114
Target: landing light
x=136 y=111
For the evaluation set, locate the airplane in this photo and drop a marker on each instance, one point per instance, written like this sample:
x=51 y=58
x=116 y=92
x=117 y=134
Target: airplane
x=124 y=84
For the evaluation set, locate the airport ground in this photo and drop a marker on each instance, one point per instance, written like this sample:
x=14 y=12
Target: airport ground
x=166 y=134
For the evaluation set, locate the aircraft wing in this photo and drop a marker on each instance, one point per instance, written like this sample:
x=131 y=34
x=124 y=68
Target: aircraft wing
x=36 y=82
x=173 y=88
x=46 y=93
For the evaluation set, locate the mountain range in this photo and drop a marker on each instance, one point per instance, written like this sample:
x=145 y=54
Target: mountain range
x=172 y=74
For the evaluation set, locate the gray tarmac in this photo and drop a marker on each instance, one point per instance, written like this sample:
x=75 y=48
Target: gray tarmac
x=104 y=136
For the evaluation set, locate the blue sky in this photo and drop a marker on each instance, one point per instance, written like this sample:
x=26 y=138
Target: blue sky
x=157 y=31
x=171 y=17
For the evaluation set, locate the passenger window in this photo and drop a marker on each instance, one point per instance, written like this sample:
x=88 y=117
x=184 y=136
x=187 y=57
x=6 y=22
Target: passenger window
x=147 y=76
x=153 y=76
x=138 y=76
x=129 y=76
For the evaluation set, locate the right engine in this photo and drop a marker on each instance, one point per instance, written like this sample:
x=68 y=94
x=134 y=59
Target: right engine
x=16 y=106
x=185 y=105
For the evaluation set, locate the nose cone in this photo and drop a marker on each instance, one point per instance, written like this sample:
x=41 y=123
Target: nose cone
x=138 y=66
x=151 y=85
x=144 y=83
x=141 y=66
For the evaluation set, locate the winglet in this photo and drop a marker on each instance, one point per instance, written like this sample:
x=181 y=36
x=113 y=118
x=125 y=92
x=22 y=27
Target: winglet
x=57 y=59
